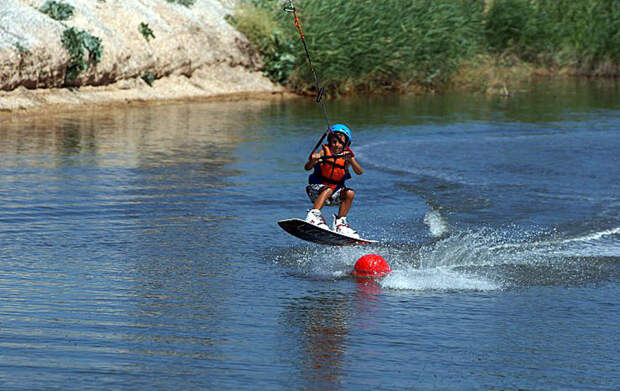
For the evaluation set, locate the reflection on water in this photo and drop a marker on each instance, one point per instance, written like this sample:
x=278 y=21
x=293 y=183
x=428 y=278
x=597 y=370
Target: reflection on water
x=151 y=132
x=320 y=323
x=105 y=218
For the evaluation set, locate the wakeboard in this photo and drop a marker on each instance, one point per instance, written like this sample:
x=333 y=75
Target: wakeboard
x=306 y=231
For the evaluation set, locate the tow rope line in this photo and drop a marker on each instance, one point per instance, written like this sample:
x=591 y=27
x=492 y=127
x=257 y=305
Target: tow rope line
x=320 y=90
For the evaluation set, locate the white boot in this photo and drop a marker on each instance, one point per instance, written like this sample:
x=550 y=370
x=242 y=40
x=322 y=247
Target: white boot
x=342 y=227
x=314 y=217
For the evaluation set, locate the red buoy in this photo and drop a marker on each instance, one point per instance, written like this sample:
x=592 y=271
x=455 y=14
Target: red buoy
x=371 y=266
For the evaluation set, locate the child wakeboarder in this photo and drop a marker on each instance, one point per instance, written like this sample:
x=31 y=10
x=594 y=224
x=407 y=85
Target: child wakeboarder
x=327 y=182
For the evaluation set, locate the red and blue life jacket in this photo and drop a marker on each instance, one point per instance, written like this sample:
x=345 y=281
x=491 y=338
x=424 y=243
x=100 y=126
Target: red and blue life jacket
x=331 y=171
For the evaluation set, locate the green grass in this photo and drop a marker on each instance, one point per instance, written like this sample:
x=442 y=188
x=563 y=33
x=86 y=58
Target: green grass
x=373 y=46
x=366 y=44
x=572 y=33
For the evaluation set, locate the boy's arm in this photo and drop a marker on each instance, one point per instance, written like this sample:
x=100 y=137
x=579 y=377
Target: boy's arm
x=350 y=158
x=356 y=166
x=312 y=160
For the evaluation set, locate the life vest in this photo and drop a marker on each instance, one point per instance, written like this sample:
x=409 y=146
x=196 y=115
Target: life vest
x=331 y=172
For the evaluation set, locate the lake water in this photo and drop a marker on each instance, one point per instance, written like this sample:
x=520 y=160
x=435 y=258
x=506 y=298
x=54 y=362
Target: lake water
x=140 y=248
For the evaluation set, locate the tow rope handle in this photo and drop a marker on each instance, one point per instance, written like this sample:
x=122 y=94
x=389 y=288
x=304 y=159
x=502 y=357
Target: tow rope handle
x=332 y=157
x=319 y=142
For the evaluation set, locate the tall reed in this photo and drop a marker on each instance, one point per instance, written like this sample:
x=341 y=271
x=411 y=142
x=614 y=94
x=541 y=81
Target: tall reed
x=370 y=45
x=374 y=45
x=584 y=34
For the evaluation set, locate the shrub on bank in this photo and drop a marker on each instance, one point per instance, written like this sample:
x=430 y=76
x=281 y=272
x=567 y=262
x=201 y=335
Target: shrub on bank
x=76 y=42
x=146 y=31
x=57 y=10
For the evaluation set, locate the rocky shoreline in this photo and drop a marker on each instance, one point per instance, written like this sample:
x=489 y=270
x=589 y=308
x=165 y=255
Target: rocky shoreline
x=193 y=54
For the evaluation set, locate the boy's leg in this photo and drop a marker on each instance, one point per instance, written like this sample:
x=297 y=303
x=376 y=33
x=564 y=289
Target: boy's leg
x=340 y=222
x=346 y=197
x=314 y=214
x=320 y=200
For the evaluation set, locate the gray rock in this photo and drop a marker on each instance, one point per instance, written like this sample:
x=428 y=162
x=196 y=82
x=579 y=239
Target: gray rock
x=190 y=43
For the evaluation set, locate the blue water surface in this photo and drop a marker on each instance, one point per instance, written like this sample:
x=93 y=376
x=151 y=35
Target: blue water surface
x=140 y=248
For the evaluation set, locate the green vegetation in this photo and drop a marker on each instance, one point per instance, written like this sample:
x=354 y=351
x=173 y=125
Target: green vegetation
x=186 y=3
x=148 y=78
x=57 y=10
x=146 y=31
x=567 y=33
x=369 y=45
x=75 y=41
x=270 y=38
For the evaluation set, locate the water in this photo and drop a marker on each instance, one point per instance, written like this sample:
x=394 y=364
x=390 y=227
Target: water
x=140 y=250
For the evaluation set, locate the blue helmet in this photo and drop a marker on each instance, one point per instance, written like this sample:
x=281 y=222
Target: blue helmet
x=340 y=128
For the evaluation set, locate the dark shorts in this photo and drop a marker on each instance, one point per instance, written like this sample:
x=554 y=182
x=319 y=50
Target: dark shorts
x=314 y=190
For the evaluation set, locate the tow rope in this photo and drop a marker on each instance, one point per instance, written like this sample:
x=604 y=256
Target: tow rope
x=320 y=90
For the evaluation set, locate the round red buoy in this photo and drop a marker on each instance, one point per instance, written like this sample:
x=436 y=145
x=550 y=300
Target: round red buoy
x=371 y=266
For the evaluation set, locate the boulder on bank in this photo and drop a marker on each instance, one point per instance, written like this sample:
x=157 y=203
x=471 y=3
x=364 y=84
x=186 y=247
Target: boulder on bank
x=193 y=47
